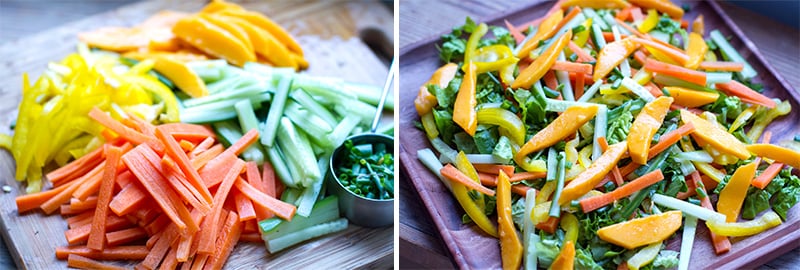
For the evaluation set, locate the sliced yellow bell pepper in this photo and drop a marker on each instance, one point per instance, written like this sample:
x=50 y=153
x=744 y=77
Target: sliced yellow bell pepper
x=581 y=38
x=732 y=196
x=774 y=152
x=463 y=165
x=644 y=256
x=472 y=209
x=472 y=44
x=546 y=30
x=588 y=179
x=665 y=6
x=715 y=136
x=564 y=125
x=645 y=126
x=650 y=22
x=569 y=223
x=642 y=231
x=742 y=118
x=703 y=167
x=697 y=50
x=505 y=120
x=566 y=258
x=464 y=113
x=612 y=55
x=425 y=101
x=737 y=229
x=218 y=5
x=510 y=245
x=429 y=124
x=161 y=92
x=609 y=4
x=691 y=98
x=213 y=40
x=539 y=67
x=765 y=119
x=493 y=58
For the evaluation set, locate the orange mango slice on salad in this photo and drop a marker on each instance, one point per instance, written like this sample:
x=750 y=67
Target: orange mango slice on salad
x=563 y=126
x=642 y=231
x=691 y=98
x=715 y=136
x=588 y=179
x=774 y=152
x=645 y=126
x=425 y=101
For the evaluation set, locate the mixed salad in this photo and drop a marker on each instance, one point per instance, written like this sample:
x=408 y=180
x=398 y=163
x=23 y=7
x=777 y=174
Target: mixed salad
x=589 y=137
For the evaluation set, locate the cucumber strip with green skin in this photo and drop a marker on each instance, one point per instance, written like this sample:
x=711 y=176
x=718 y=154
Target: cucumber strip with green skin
x=591 y=91
x=730 y=54
x=624 y=67
x=637 y=89
x=687 y=208
x=290 y=195
x=247 y=118
x=281 y=170
x=597 y=36
x=364 y=111
x=713 y=78
x=308 y=102
x=529 y=238
x=306 y=201
x=231 y=133
x=324 y=210
x=343 y=129
x=370 y=94
x=563 y=79
x=295 y=170
x=237 y=93
x=552 y=164
x=194 y=116
x=286 y=241
x=555 y=209
x=275 y=111
x=428 y=158
x=305 y=119
x=296 y=147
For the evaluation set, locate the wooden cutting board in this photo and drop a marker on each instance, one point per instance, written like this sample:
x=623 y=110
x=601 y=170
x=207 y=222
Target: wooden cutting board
x=468 y=247
x=329 y=33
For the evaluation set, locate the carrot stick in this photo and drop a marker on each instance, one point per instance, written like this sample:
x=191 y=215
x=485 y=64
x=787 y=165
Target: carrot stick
x=32 y=201
x=202 y=146
x=173 y=150
x=203 y=158
x=268 y=178
x=580 y=82
x=615 y=174
x=247 y=139
x=226 y=241
x=251 y=172
x=583 y=56
x=81 y=233
x=494 y=168
x=624 y=14
x=487 y=179
x=98 y=232
x=527 y=176
x=550 y=80
x=252 y=237
x=189 y=132
x=123 y=131
x=91 y=186
x=89 y=203
x=214 y=171
x=609 y=37
x=160 y=248
x=250 y=226
x=279 y=208
x=124 y=178
x=178 y=181
x=170 y=260
x=153 y=239
x=162 y=185
x=80 y=262
x=653 y=89
x=110 y=253
x=63 y=197
x=675 y=54
x=689 y=75
x=187 y=146
x=670 y=138
x=740 y=90
x=520 y=189
x=200 y=259
x=453 y=174
x=721 y=243
x=640 y=56
x=66 y=210
x=721 y=66
x=78 y=220
x=157 y=225
x=549 y=225
x=184 y=248
x=130 y=197
x=139 y=166
x=244 y=206
x=77 y=167
x=568 y=17
x=593 y=203
x=767 y=175
x=572 y=67
x=99 y=166
x=125 y=236
x=207 y=237
x=518 y=36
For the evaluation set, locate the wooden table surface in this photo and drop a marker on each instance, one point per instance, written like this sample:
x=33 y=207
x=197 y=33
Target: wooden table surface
x=420 y=244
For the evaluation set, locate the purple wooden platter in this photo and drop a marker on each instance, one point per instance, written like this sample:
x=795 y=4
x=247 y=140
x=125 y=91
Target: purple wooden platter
x=471 y=248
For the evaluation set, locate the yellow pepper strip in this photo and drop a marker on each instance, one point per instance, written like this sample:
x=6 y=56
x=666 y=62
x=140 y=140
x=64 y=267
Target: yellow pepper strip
x=425 y=101
x=762 y=121
x=569 y=223
x=464 y=109
x=780 y=154
x=644 y=256
x=510 y=246
x=268 y=25
x=609 y=4
x=581 y=38
x=732 y=196
x=645 y=127
x=691 y=98
x=493 y=58
x=540 y=211
x=472 y=44
x=697 y=50
x=584 y=156
x=472 y=209
x=715 y=136
x=546 y=191
x=612 y=55
x=161 y=92
x=736 y=229
x=507 y=74
x=463 y=165
x=506 y=120
x=589 y=178
x=267 y=46
x=650 y=22
x=566 y=258
x=429 y=124
x=536 y=165
x=742 y=118
x=699 y=25
x=539 y=67
x=665 y=6
x=563 y=126
x=5 y=141
x=183 y=76
x=703 y=167
x=546 y=29
x=232 y=28
x=213 y=40
x=642 y=231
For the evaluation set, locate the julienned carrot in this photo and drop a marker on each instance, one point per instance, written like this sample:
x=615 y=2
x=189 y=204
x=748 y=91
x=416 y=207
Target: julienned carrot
x=615 y=174
x=110 y=253
x=250 y=226
x=178 y=181
x=170 y=260
x=721 y=243
x=81 y=219
x=98 y=233
x=670 y=138
x=139 y=166
x=518 y=36
x=749 y=95
x=549 y=225
x=202 y=146
x=77 y=167
x=190 y=132
x=81 y=233
x=494 y=168
x=550 y=80
x=520 y=189
x=640 y=56
x=624 y=14
x=247 y=139
x=721 y=66
x=187 y=146
x=124 y=178
x=572 y=67
x=32 y=201
x=200 y=259
x=252 y=177
x=580 y=82
x=63 y=197
x=196 y=187
x=201 y=159
x=123 y=131
x=207 y=236
x=253 y=237
x=66 y=210
x=244 y=206
x=609 y=37
x=595 y=202
x=91 y=186
x=131 y=196
x=226 y=241
x=674 y=54
x=279 y=208
x=214 y=171
x=762 y=180
x=145 y=127
x=487 y=179
x=453 y=174
x=160 y=248
x=125 y=236
x=527 y=176
x=162 y=187
x=80 y=262
x=689 y=75
x=568 y=17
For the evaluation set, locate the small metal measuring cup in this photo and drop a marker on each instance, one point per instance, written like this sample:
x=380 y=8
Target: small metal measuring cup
x=360 y=210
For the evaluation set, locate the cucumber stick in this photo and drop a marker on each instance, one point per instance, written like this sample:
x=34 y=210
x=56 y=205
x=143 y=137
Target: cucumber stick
x=289 y=240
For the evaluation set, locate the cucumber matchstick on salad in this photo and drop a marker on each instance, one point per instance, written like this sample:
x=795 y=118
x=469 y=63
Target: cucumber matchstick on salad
x=589 y=137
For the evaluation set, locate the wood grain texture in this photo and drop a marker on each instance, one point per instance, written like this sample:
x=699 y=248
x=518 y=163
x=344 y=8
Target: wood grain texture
x=329 y=33
x=777 y=43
